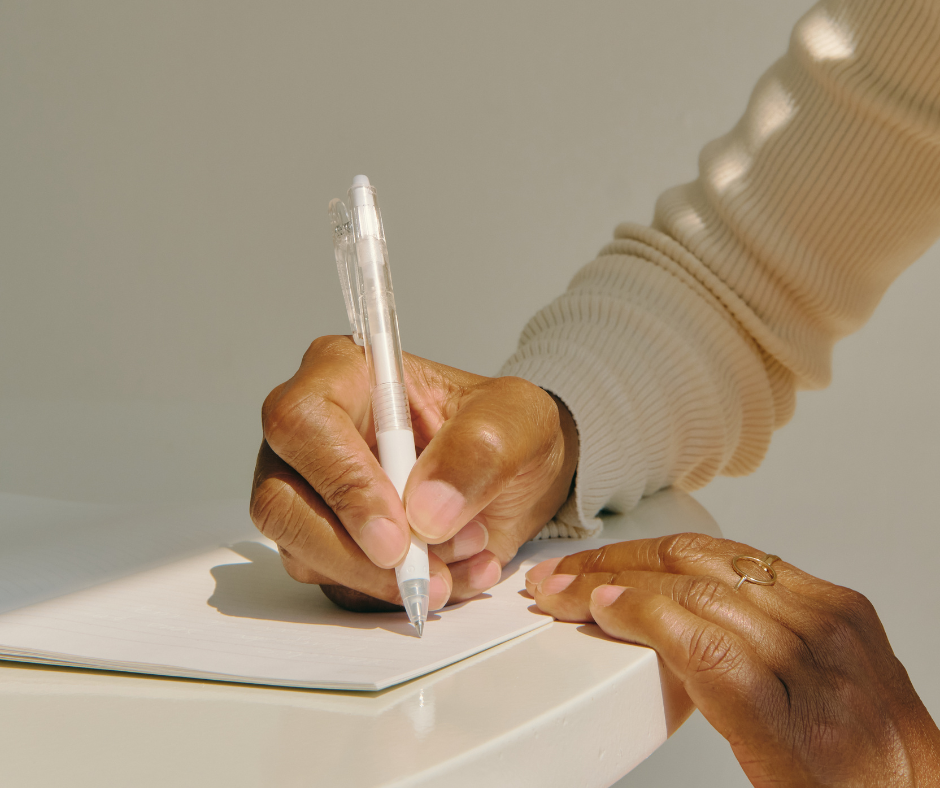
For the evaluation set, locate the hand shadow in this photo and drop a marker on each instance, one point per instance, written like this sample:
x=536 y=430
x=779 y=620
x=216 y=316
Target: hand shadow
x=262 y=589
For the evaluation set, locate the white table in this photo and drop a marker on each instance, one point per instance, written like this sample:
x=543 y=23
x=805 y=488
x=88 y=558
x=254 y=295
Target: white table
x=560 y=707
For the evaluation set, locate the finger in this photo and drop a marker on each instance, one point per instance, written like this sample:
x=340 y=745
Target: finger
x=697 y=554
x=474 y=576
x=441 y=583
x=467 y=542
x=718 y=670
x=316 y=548
x=316 y=423
x=314 y=545
x=539 y=572
x=568 y=598
x=492 y=433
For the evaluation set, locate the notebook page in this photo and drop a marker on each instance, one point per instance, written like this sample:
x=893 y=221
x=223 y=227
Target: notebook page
x=234 y=614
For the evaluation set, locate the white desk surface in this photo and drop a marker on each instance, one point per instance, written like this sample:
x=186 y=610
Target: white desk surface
x=562 y=706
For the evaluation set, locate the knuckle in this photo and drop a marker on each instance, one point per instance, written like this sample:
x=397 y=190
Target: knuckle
x=265 y=508
x=289 y=416
x=850 y=621
x=274 y=514
x=537 y=405
x=270 y=404
x=341 y=483
x=712 y=652
x=517 y=388
x=828 y=636
x=595 y=561
x=681 y=548
x=486 y=446
x=702 y=594
x=278 y=410
x=326 y=345
x=297 y=569
x=854 y=605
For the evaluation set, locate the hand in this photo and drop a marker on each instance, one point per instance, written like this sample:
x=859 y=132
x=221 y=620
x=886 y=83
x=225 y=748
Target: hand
x=799 y=676
x=496 y=460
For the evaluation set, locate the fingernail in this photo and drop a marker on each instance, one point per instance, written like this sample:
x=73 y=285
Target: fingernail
x=433 y=508
x=602 y=596
x=470 y=540
x=555 y=584
x=383 y=542
x=540 y=571
x=484 y=575
x=438 y=592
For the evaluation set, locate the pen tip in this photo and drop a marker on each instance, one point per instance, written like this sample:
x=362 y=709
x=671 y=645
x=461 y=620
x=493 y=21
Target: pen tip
x=419 y=625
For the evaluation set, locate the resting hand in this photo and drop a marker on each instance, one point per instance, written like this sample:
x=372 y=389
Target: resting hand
x=496 y=459
x=798 y=676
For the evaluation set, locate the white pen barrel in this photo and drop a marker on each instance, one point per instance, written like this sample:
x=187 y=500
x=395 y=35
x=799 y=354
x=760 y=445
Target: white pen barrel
x=390 y=408
x=396 y=454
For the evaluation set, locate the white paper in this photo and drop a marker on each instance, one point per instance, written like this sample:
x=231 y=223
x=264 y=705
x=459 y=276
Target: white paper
x=234 y=614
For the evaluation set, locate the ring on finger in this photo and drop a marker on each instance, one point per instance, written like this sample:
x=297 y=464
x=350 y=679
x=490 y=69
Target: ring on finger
x=767 y=577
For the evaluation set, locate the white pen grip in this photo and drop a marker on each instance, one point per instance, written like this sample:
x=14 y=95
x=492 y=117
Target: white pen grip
x=391 y=413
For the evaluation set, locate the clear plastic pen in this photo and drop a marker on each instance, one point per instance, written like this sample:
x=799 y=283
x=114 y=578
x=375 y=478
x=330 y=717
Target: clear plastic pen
x=362 y=262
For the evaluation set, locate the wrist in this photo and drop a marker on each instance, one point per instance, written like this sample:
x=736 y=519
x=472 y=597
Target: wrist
x=571 y=447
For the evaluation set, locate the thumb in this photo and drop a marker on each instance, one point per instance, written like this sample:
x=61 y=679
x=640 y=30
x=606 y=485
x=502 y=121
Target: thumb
x=493 y=432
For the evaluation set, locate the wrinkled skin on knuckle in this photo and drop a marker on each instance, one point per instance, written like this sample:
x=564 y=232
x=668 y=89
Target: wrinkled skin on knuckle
x=290 y=415
x=703 y=594
x=541 y=411
x=340 y=482
x=291 y=529
x=331 y=347
x=678 y=549
x=292 y=409
x=712 y=654
x=542 y=408
x=858 y=611
x=269 y=508
x=594 y=562
x=828 y=638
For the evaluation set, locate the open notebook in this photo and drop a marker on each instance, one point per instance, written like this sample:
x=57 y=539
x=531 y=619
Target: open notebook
x=197 y=593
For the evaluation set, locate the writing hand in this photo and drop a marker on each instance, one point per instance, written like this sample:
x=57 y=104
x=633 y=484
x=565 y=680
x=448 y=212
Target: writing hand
x=496 y=459
x=798 y=676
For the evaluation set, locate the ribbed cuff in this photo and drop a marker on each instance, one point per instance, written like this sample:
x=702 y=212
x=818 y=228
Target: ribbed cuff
x=605 y=459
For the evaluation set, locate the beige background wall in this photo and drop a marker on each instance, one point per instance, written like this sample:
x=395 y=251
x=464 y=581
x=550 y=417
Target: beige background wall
x=165 y=254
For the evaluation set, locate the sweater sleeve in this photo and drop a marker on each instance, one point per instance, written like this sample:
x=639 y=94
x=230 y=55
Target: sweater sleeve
x=681 y=347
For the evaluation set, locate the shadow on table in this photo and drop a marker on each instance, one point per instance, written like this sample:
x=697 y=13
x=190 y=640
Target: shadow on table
x=262 y=589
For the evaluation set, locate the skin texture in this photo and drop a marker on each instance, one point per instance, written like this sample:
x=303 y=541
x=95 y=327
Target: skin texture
x=496 y=458
x=799 y=677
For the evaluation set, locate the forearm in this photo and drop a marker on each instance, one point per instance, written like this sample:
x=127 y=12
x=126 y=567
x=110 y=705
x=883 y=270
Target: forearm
x=681 y=347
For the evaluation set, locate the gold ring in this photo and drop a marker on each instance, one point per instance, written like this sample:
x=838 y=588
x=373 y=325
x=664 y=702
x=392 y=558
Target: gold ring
x=763 y=564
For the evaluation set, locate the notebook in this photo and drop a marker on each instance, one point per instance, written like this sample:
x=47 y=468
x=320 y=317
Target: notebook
x=196 y=592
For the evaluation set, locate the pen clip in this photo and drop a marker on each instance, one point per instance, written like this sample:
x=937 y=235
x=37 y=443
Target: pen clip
x=344 y=251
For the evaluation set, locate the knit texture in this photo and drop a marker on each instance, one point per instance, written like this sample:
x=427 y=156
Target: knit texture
x=681 y=347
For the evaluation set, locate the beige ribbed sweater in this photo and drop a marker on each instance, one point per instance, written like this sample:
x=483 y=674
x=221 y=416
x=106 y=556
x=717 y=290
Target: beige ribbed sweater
x=680 y=348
